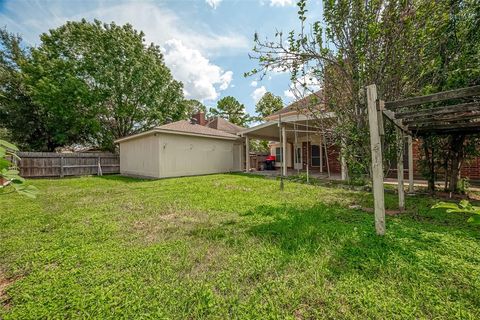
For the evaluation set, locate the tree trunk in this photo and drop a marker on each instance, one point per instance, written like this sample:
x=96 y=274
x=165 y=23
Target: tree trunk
x=429 y=158
x=457 y=154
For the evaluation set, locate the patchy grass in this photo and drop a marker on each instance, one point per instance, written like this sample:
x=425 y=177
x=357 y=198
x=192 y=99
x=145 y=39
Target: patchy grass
x=229 y=246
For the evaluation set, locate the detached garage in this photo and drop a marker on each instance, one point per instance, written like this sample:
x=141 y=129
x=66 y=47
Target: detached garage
x=180 y=149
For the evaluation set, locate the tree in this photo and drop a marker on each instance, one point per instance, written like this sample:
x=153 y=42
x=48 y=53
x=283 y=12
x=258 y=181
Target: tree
x=18 y=114
x=454 y=51
x=392 y=43
x=268 y=104
x=92 y=83
x=230 y=109
x=194 y=106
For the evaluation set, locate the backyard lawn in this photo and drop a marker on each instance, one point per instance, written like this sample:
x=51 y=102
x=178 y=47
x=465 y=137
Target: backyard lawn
x=229 y=246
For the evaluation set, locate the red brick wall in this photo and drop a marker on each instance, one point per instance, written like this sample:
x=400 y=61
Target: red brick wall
x=333 y=158
x=470 y=168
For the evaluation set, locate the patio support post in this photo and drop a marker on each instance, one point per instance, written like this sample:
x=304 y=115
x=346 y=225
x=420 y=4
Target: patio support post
x=284 y=150
x=343 y=162
x=321 y=155
x=400 y=173
x=410 y=164
x=377 y=159
x=247 y=154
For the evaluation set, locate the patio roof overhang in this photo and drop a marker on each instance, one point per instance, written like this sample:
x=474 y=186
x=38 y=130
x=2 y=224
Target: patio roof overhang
x=298 y=124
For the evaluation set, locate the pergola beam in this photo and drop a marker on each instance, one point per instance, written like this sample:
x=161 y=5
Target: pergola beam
x=450 y=109
x=467 y=126
x=439 y=119
x=436 y=97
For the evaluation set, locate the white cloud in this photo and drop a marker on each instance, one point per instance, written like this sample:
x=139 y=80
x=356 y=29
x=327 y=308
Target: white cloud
x=258 y=93
x=254 y=83
x=202 y=80
x=157 y=22
x=185 y=46
x=213 y=3
x=281 y=3
x=298 y=90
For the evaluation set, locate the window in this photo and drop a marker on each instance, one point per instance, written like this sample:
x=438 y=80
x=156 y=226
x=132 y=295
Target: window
x=278 y=154
x=315 y=156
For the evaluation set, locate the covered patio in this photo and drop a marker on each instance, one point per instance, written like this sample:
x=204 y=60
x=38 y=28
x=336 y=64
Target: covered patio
x=300 y=144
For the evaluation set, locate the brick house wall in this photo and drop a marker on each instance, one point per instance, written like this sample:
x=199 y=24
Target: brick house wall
x=333 y=158
x=470 y=168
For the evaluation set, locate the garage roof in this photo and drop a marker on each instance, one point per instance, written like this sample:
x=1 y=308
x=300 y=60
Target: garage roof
x=223 y=125
x=184 y=127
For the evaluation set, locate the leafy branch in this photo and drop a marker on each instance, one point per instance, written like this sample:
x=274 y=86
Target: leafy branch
x=10 y=180
x=463 y=207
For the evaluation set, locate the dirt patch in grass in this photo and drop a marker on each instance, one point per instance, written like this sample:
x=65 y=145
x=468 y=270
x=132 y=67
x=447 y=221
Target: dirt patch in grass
x=5 y=282
x=153 y=228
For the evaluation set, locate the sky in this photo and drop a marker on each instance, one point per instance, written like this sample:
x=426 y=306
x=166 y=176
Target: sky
x=205 y=42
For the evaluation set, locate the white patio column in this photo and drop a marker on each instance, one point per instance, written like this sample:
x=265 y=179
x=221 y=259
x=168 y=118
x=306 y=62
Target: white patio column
x=410 y=164
x=284 y=150
x=247 y=154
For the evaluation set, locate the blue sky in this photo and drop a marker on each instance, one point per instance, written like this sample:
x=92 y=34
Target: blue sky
x=205 y=42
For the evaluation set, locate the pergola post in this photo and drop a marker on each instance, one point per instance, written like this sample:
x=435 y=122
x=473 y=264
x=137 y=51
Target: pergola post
x=410 y=164
x=284 y=151
x=377 y=160
x=400 y=173
x=247 y=154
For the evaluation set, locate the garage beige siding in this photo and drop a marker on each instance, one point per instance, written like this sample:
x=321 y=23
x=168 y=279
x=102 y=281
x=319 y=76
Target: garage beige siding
x=182 y=155
x=139 y=157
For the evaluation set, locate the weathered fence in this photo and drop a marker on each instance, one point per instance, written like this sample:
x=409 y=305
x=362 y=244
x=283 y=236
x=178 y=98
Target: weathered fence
x=51 y=164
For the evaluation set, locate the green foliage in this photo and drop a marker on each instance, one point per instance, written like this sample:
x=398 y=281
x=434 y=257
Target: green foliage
x=405 y=47
x=268 y=104
x=232 y=110
x=90 y=83
x=5 y=134
x=230 y=246
x=463 y=207
x=18 y=115
x=259 y=145
x=10 y=181
x=194 y=106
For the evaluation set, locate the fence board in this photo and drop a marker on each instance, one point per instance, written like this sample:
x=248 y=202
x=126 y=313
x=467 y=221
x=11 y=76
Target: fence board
x=51 y=164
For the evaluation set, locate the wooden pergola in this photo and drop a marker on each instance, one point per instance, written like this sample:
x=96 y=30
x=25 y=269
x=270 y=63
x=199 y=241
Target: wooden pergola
x=434 y=117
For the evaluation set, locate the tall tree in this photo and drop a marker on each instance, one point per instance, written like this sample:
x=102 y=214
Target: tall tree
x=358 y=43
x=230 y=109
x=193 y=106
x=454 y=51
x=18 y=114
x=92 y=83
x=268 y=104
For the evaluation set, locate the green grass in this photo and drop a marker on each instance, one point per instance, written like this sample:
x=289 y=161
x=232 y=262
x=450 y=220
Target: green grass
x=230 y=246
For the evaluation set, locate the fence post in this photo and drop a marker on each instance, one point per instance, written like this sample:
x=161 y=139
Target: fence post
x=61 y=168
x=377 y=159
x=99 y=170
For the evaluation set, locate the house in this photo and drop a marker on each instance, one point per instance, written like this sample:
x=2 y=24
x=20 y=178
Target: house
x=181 y=148
x=296 y=134
x=298 y=129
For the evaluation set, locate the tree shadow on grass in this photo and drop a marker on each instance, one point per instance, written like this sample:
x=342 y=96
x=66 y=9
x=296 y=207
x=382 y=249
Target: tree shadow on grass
x=125 y=179
x=347 y=237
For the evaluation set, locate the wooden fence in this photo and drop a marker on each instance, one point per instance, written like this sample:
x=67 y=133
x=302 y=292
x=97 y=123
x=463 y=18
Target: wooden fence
x=51 y=164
